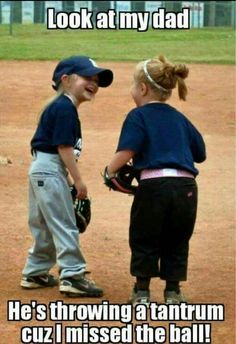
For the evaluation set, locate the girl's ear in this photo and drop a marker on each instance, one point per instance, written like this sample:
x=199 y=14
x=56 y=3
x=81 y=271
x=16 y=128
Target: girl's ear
x=143 y=89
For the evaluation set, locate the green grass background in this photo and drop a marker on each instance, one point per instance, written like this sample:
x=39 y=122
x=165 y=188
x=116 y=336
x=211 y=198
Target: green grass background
x=35 y=42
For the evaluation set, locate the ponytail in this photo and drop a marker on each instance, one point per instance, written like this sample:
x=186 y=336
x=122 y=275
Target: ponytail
x=59 y=91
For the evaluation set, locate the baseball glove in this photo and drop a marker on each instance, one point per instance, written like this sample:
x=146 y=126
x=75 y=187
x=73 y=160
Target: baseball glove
x=82 y=209
x=122 y=180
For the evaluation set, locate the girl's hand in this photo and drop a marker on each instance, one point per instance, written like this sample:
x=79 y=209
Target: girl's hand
x=119 y=159
x=81 y=188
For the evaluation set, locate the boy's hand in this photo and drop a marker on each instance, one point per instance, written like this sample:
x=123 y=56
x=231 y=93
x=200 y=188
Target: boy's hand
x=81 y=188
x=82 y=209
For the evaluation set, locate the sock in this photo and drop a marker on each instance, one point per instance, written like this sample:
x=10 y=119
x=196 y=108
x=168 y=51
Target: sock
x=173 y=286
x=142 y=283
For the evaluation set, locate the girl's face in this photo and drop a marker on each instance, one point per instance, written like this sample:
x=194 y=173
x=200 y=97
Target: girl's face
x=81 y=88
x=136 y=93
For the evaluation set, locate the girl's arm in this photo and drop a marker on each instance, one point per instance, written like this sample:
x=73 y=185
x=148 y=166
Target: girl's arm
x=198 y=146
x=67 y=155
x=119 y=159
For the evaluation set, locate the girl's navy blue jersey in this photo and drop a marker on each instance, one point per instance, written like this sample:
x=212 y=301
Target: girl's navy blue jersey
x=161 y=137
x=58 y=125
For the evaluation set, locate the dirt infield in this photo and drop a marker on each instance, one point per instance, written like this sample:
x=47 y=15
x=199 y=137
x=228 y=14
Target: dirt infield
x=210 y=105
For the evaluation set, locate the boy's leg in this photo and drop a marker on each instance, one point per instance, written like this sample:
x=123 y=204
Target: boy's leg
x=42 y=255
x=55 y=202
x=51 y=193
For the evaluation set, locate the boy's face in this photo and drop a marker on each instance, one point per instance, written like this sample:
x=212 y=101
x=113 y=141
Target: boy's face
x=82 y=88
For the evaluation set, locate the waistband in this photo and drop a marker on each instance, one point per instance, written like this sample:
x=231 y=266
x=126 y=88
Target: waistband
x=164 y=172
x=42 y=157
x=35 y=151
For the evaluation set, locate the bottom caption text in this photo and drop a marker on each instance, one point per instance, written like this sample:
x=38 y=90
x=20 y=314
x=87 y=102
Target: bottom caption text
x=200 y=317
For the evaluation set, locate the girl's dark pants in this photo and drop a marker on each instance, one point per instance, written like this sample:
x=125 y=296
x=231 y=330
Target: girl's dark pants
x=162 y=220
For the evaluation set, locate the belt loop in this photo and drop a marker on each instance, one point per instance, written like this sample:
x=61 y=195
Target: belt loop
x=33 y=152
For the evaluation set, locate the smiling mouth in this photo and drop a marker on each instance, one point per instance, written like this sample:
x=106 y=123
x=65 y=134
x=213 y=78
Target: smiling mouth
x=90 y=90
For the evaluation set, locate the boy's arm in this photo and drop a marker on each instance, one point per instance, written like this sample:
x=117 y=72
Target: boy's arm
x=67 y=155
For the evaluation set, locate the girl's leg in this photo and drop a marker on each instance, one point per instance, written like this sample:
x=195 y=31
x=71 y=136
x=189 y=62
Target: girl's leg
x=176 y=235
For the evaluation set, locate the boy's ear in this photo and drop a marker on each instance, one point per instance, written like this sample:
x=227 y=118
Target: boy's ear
x=64 y=77
x=143 y=89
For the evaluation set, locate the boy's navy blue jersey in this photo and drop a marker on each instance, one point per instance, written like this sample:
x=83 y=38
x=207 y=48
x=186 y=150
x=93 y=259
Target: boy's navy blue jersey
x=161 y=137
x=59 y=125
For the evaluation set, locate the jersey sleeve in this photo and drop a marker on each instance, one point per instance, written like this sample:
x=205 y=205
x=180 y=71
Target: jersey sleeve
x=64 y=132
x=132 y=136
x=198 y=147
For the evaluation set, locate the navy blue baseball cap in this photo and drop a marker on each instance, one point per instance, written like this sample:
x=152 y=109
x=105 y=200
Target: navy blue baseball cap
x=83 y=66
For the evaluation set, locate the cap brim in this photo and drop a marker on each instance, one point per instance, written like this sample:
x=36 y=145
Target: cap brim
x=105 y=76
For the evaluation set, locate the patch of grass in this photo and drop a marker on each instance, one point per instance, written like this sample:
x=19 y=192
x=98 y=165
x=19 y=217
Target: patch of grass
x=35 y=42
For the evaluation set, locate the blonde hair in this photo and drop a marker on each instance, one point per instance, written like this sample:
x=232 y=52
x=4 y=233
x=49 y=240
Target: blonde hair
x=163 y=76
x=60 y=90
x=49 y=101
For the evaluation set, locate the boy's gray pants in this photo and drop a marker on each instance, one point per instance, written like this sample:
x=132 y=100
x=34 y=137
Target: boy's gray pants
x=52 y=220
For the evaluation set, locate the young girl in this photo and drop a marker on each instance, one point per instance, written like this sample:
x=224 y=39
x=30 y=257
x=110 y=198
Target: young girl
x=163 y=145
x=55 y=146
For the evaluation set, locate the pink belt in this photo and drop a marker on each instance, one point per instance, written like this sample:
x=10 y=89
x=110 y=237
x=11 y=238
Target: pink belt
x=164 y=172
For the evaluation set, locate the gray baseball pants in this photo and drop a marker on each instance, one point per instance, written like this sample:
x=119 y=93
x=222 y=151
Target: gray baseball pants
x=52 y=220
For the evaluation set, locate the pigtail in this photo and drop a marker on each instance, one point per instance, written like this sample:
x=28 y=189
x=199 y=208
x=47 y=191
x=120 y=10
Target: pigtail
x=181 y=71
x=173 y=74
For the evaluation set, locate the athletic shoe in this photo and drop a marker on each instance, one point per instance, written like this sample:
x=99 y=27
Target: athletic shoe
x=139 y=297
x=80 y=287
x=42 y=281
x=172 y=297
